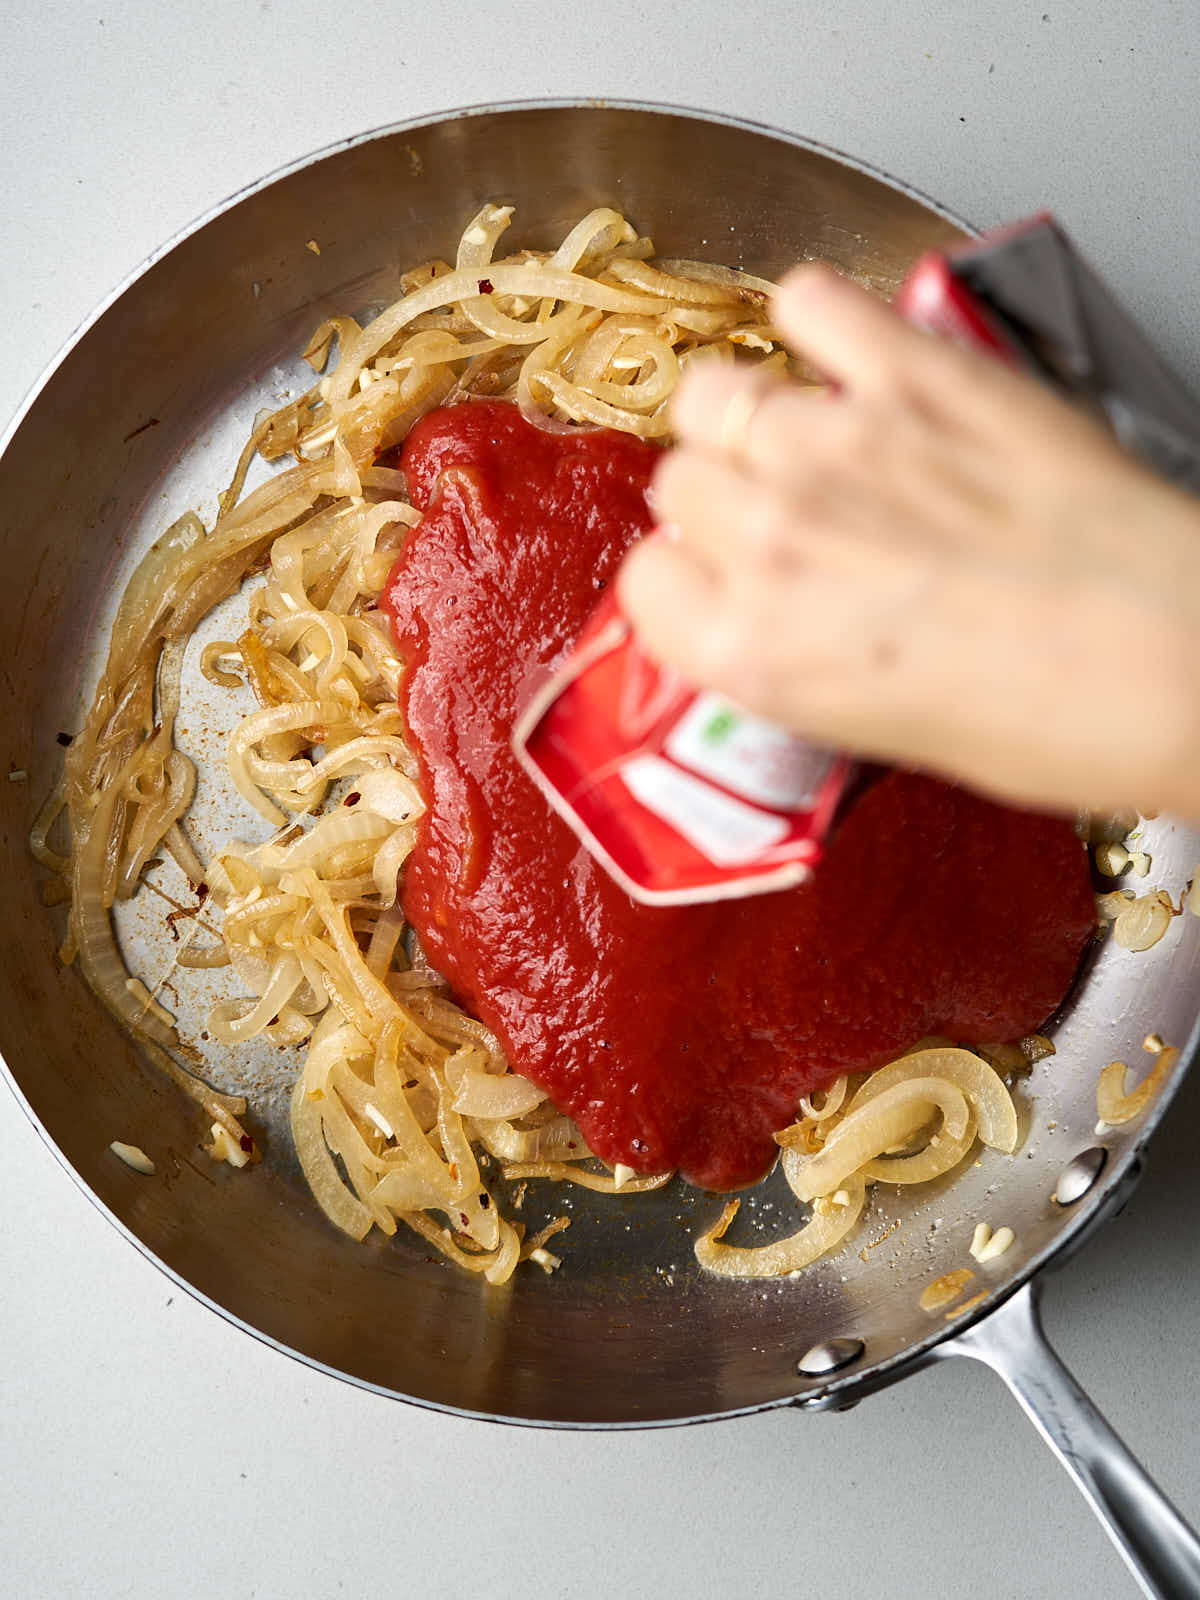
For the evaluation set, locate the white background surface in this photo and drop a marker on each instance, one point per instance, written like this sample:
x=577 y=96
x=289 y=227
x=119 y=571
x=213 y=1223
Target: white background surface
x=147 y=1448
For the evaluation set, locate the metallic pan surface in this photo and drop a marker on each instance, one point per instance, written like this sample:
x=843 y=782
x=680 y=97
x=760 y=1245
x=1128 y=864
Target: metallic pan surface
x=138 y=422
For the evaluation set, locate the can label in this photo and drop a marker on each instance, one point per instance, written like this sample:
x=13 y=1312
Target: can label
x=683 y=795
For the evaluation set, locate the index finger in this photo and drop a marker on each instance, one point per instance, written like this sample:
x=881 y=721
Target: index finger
x=857 y=340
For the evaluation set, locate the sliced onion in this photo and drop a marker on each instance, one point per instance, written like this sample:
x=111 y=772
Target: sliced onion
x=832 y=1098
x=1142 y=923
x=484 y=1094
x=485 y=1261
x=1114 y=1105
x=600 y=1182
x=289 y=1027
x=405 y=1189
x=826 y=1229
x=981 y=1084
x=385 y=937
x=476 y=1213
x=446 y=1021
x=581 y=406
x=210 y=956
x=700 y=284
x=535 y=281
x=44 y=826
x=940 y=1155
x=508 y=1253
x=389 y=858
x=400 y=1089
x=599 y=231
x=887 y=1122
x=390 y=794
x=358 y=755
x=1110 y=906
x=557 y=1140
x=342 y=1208
x=310 y=714
x=328 y=835
x=284 y=981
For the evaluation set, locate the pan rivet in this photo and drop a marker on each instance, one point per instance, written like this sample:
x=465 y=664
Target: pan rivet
x=831 y=1355
x=1078 y=1176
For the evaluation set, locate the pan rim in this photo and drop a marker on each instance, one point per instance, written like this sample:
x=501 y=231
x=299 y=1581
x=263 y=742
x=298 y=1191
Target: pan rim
x=411 y=124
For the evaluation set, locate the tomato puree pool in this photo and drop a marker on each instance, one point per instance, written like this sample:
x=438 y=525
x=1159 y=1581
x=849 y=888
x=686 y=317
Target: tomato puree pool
x=677 y=1037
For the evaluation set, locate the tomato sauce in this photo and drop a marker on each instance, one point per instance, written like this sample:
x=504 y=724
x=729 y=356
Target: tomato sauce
x=677 y=1037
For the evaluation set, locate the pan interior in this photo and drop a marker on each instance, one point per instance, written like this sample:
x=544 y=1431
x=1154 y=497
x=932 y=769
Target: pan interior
x=142 y=421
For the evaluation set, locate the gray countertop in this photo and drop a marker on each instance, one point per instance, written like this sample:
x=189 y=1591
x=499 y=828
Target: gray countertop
x=147 y=1447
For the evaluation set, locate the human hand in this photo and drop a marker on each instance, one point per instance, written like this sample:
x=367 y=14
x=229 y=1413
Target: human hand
x=941 y=564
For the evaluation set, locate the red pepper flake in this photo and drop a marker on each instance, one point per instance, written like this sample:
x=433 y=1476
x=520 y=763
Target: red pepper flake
x=247 y=1143
x=453 y=1168
x=352 y=798
x=464 y=1219
x=485 y=1201
x=486 y=286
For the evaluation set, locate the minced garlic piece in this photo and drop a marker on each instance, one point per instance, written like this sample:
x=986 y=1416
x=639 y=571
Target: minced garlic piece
x=224 y=1148
x=133 y=1156
x=980 y=1238
x=995 y=1246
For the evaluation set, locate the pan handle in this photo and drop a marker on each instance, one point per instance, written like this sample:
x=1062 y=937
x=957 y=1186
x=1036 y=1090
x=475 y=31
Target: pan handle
x=1160 y=1549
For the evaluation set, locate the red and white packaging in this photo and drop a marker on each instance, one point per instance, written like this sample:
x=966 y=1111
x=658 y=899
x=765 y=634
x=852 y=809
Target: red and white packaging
x=685 y=796
x=681 y=794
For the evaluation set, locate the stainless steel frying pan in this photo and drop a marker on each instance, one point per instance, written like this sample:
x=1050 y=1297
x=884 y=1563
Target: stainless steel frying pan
x=138 y=421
